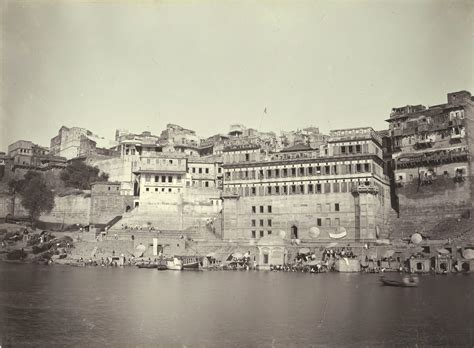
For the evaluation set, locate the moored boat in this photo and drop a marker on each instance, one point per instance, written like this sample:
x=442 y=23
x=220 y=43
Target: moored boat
x=408 y=281
x=191 y=265
x=175 y=264
x=146 y=265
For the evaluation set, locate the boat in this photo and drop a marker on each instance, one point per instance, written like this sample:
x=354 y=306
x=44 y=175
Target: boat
x=408 y=281
x=175 y=264
x=161 y=267
x=191 y=265
x=146 y=265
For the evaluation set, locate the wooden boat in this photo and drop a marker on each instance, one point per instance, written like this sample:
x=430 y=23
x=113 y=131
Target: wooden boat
x=192 y=265
x=408 y=281
x=146 y=265
x=161 y=267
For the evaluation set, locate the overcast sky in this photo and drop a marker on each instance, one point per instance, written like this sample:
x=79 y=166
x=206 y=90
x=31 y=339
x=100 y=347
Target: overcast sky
x=208 y=64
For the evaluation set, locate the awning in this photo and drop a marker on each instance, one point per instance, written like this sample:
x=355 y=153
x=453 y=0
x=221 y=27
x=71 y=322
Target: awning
x=338 y=235
x=388 y=253
x=443 y=251
x=416 y=238
x=304 y=251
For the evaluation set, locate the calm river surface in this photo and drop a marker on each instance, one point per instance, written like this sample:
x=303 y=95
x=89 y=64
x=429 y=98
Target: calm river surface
x=60 y=306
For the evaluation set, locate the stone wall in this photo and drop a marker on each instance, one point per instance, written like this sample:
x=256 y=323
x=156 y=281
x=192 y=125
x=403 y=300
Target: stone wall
x=361 y=216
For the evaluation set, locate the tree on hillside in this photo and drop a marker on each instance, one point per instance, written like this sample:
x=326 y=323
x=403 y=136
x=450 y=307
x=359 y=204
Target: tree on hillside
x=36 y=196
x=80 y=175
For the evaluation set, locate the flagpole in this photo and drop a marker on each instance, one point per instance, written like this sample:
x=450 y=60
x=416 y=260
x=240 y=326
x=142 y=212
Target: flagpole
x=261 y=118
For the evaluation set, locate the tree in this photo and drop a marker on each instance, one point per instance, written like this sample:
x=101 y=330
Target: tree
x=80 y=175
x=36 y=196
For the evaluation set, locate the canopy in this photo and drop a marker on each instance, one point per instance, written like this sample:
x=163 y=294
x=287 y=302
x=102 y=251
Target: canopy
x=388 y=253
x=341 y=234
x=304 y=251
x=314 y=232
x=468 y=254
x=331 y=245
x=416 y=238
x=443 y=251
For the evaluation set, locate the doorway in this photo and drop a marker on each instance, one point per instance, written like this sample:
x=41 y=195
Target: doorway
x=294 y=232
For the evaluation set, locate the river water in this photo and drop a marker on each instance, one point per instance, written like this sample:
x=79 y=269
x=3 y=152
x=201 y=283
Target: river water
x=61 y=306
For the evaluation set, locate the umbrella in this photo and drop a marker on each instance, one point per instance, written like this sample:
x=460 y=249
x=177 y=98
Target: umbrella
x=297 y=242
x=331 y=245
x=314 y=263
x=237 y=255
x=211 y=255
x=388 y=253
x=140 y=250
x=304 y=251
x=282 y=234
x=468 y=254
x=314 y=232
x=416 y=238
x=443 y=251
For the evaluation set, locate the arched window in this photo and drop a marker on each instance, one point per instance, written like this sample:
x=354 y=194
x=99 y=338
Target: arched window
x=294 y=232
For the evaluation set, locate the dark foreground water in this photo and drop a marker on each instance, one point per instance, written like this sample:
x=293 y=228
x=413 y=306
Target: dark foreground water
x=59 y=306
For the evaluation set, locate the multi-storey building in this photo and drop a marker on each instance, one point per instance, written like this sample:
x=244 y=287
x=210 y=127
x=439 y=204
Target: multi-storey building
x=338 y=190
x=74 y=142
x=25 y=154
x=432 y=167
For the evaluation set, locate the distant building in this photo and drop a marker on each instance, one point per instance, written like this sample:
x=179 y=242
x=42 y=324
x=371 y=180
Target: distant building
x=432 y=167
x=74 y=142
x=26 y=154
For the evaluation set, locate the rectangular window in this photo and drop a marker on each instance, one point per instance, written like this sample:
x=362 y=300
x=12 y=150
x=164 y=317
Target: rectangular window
x=147 y=178
x=200 y=170
x=269 y=173
x=156 y=189
x=254 y=223
x=318 y=188
x=157 y=178
x=328 y=222
x=269 y=232
x=301 y=190
x=327 y=188
x=254 y=234
x=285 y=172
x=310 y=171
x=261 y=235
x=277 y=172
x=207 y=170
x=147 y=189
x=269 y=222
x=254 y=191
x=269 y=190
x=301 y=171
x=261 y=223
x=293 y=171
x=285 y=190
x=318 y=170
x=335 y=187
x=277 y=190
x=358 y=149
x=328 y=206
x=327 y=170
x=254 y=209
x=265 y=259
x=337 y=222
x=163 y=179
x=194 y=170
x=261 y=209
x=366 y=167
x=247 y=157
x=170 y=179
x=293 y=189
x=310 y=188
x=269 y=208
x=336 y=206
x=319 y=222
x=206 y=184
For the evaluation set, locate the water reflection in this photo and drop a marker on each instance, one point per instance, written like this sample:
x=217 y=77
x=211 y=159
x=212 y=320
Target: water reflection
x=64 y=306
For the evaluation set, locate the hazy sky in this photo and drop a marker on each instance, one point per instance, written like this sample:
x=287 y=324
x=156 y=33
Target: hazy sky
x=204 y=65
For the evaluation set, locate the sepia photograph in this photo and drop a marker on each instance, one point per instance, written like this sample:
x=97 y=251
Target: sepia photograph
x=236 y=173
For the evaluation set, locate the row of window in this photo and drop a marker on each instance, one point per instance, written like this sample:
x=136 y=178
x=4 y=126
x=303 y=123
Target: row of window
x=254 y=209
x=164 y=178
x=301 y=171
x=163 y=189
x=319 y=222
x=266 y=190
x=262 y=223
